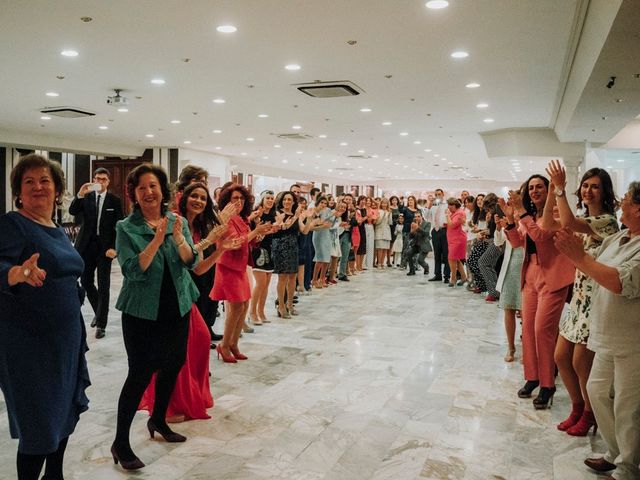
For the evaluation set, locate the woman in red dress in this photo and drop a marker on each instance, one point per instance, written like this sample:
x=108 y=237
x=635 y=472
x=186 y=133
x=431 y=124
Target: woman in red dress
x=191 y=396
x=231 y=282
x=456 y=240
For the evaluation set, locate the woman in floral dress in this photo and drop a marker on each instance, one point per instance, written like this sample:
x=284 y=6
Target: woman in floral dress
x=574 y=360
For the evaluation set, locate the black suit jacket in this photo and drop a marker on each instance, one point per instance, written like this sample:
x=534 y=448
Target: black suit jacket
x=111 y=214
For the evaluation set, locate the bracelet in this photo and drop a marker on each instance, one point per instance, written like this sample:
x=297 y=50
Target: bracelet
x=146 y=253
x=525 y=214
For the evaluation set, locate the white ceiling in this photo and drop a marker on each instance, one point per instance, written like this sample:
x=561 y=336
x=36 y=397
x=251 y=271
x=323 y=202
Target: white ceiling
x=518 y=53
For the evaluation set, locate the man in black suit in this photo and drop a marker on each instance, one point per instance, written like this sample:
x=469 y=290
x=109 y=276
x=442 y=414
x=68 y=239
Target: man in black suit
x=100 y=211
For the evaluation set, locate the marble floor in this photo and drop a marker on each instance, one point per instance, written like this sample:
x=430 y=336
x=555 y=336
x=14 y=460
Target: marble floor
x=386 y=377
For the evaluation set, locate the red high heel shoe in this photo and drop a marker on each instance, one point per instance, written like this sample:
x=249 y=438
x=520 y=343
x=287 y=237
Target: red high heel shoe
x=574 y=417
x=236 y=353
x=581 y=429
x=227 y=358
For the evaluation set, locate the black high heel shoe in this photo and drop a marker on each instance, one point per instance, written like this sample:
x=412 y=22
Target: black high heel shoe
x=133 y=464
x=168 y=434
x=544 y=399
x=529 y=387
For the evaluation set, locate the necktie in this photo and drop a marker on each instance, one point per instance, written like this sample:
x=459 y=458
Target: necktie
x=98 y=214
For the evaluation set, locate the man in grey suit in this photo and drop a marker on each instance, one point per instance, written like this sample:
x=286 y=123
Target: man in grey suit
x=420 y=238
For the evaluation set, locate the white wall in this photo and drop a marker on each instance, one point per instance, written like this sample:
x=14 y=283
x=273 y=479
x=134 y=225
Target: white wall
x=216 y=165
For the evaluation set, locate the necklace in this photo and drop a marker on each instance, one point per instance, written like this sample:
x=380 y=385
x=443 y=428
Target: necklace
x=153 y=224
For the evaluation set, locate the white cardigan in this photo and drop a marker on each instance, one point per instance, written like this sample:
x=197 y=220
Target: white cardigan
x=499 y=238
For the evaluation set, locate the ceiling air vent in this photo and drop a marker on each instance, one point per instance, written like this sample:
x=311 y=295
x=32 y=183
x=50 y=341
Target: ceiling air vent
x=293 y=136
x=360 y=157
x=342 y=88
x=67 y=112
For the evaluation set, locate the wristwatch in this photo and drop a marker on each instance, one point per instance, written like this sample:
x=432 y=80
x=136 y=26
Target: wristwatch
x=559 y=191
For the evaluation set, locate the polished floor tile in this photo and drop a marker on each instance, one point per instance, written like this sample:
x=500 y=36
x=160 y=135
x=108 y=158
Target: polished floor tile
x=384 y=377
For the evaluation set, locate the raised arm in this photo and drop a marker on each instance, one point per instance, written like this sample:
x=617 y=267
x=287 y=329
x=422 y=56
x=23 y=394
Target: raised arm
x=558 y=177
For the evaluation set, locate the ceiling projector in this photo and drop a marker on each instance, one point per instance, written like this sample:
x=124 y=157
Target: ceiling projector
x=117 y=100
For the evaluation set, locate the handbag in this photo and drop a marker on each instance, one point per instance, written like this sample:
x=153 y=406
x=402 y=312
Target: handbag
x=260 y=257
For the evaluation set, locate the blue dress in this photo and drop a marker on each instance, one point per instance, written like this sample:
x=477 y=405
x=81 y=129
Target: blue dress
x=43 y=371
x=322 y=241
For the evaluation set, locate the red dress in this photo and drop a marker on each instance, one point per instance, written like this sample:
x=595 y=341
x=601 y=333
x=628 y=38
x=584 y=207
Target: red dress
x=191 y=396
x=231 y=282
x=456 y=236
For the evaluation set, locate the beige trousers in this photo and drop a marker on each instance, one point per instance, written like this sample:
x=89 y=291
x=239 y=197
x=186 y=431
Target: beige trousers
x=614 y=390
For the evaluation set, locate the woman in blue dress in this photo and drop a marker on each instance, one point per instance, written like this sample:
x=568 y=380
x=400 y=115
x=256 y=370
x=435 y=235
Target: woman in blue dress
x=322 y=242
x=43 y=373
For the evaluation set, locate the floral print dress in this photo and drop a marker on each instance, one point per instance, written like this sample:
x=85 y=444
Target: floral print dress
x=576 y=323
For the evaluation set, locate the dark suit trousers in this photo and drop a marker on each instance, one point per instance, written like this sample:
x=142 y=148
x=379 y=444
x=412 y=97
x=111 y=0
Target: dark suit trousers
x=440 y=253
x=95 y=260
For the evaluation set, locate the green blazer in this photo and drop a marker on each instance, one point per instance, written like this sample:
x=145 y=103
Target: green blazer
x=140 y=293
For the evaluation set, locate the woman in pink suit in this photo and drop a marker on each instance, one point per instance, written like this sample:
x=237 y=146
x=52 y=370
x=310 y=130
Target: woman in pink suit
x=456 y=240
x=231 y=282
x=546 y=278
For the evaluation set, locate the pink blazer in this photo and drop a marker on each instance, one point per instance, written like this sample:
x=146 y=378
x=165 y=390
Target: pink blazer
x=557 y=269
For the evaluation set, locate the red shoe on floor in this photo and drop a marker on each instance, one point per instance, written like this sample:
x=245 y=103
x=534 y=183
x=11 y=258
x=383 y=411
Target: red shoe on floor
x=581 y=429
x=573 y=418
x=490 y=298
x=226 y=357
x=333 y=282
x=477 y=290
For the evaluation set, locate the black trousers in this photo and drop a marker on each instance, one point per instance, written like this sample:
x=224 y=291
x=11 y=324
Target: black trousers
x=95 y=260
x=440 y=253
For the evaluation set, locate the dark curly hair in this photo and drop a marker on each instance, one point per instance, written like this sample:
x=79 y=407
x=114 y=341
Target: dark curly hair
x=609 y=201
x=204 y=222
x=225 y=198
x=280 y=199
x=32 y=161
x=526 y=198
x=133 y=179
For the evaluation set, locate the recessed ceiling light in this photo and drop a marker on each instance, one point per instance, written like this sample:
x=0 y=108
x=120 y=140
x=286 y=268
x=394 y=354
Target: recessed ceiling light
x=265 y=157
x=297 y=127
x=343 y=144
x=404 y=134
x=292 y=67
x=316 y=167
x=187 y=142
x=620 y=160
x=175 y=122
x=226 y=29
x=217 y=131
x=158 y=81
x=329 y=170
x=333 y=160
x=244 y=154
x=387 y=159
x=459 y=54
x=397 y=163
x=436 y=155
x=365 y=110
x=219 y=100
x=103 y=127
x=263 y=115
x=218 y=148
x=301 y=164
x=361 y=151
x=44 y=117
x=322 y=136
x=284 y=160
x=437 y=4
x=472 y=85
x=488 y=120
x=299 y=152
x=149 y=135
x=427 y=150
x=123 y=110
x=360 y=166
x=250 y=139
x=69 y=53
x=482 y=105
x=52 y=94
x=417 y=142
x=276 y=146
x=386 y=124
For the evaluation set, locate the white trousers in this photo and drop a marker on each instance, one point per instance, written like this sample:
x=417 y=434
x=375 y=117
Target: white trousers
x=370 y=236
x=614 y=390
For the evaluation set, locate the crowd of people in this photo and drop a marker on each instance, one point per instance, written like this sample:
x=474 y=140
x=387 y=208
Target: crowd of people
x=186 y=254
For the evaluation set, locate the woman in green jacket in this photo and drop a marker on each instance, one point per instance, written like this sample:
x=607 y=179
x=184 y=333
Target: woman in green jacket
x=155 y=251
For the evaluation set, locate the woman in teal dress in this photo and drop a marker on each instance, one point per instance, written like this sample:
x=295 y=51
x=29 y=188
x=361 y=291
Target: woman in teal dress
x=43 y=372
